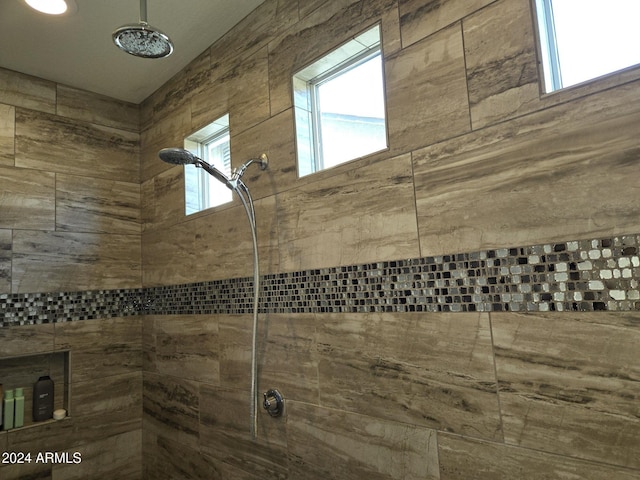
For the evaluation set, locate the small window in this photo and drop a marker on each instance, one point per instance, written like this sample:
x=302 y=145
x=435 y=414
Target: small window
x=211 y=144
x=339 y=105
x=585 y=39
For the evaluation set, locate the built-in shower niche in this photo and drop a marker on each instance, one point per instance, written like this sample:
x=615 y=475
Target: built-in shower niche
x=25 y=370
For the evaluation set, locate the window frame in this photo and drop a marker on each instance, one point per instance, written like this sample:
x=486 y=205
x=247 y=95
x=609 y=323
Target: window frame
x=549 y=62
x=306 y=82
x=198 y=143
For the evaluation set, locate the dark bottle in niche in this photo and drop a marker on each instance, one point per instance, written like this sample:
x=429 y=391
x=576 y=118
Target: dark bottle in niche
x=43 y=399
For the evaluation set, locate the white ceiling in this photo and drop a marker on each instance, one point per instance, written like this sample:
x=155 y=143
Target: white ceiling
x=77 y=49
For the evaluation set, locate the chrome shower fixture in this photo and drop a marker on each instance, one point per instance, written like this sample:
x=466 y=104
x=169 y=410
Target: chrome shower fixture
x=141 y=39
x=180 y=156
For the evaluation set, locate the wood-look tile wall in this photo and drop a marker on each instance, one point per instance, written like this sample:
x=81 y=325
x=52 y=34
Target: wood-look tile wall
x=70 y=221
x=478 y=158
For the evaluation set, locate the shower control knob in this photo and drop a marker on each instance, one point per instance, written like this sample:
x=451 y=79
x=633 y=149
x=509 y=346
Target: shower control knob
x=273 y=403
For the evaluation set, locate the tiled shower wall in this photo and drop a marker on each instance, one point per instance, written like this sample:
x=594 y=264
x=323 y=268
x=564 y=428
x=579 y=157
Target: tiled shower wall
x=69 y=227
x=511 y=377
x=448 y=309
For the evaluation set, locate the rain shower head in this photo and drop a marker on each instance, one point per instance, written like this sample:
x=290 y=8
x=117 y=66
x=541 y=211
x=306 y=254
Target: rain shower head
x=180 y=156
x=141 y=39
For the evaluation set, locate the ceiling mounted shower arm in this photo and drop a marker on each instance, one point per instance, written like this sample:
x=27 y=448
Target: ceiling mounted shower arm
x=143 y=12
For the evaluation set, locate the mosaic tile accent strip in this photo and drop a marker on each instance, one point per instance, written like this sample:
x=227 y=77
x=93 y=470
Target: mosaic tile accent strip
x=35 y=308
x=585 y=275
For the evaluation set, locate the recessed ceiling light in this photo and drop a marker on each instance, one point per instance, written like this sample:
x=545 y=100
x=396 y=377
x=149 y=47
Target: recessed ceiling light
x=52 y=7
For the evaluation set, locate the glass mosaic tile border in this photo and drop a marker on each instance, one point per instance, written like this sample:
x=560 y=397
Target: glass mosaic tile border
x=582 y=275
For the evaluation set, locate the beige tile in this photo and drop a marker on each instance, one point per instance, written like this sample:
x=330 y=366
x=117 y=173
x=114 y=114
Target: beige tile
x=52 y=144
x=431 y=370
x=224 y=245
x=427 y=92
x=7 y=134
x=225 y=433
x=365 y=214
x=171 y=408
x=165 y=201
x=249 y=92
x=212 y=245
x=26 y=339
x=332 y=6
x=326 y=443
x=252 y=33
x=188 y=347
x=235 y=352
x=501 y=62
x=119 y=456
x=281 y=173
x=97 y=109
x=27 y=200
x=169 y=256
x=468 y=459
x=94 y=205
x=6 y=247
x=175 y=94
x=149 y=344
x=419 y=19
x=60 y=261
x=119 y=395
x=101 y=348
x=48 y=437
x=25 y=91
x=287 y=356
x=569 y=387
x=211 y=101
x=164 y=458
x=320 y=32
x=565 y=172
x=169 y=131
x=38 y=471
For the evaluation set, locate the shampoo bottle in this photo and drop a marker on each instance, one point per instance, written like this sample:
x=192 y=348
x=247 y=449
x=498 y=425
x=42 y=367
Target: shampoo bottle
x=18 y=417
x=8 y=409
x=43 y=399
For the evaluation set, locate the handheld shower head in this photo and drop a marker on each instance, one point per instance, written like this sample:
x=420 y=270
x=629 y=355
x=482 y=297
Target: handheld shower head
x=141 y=39
x=180 y=156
